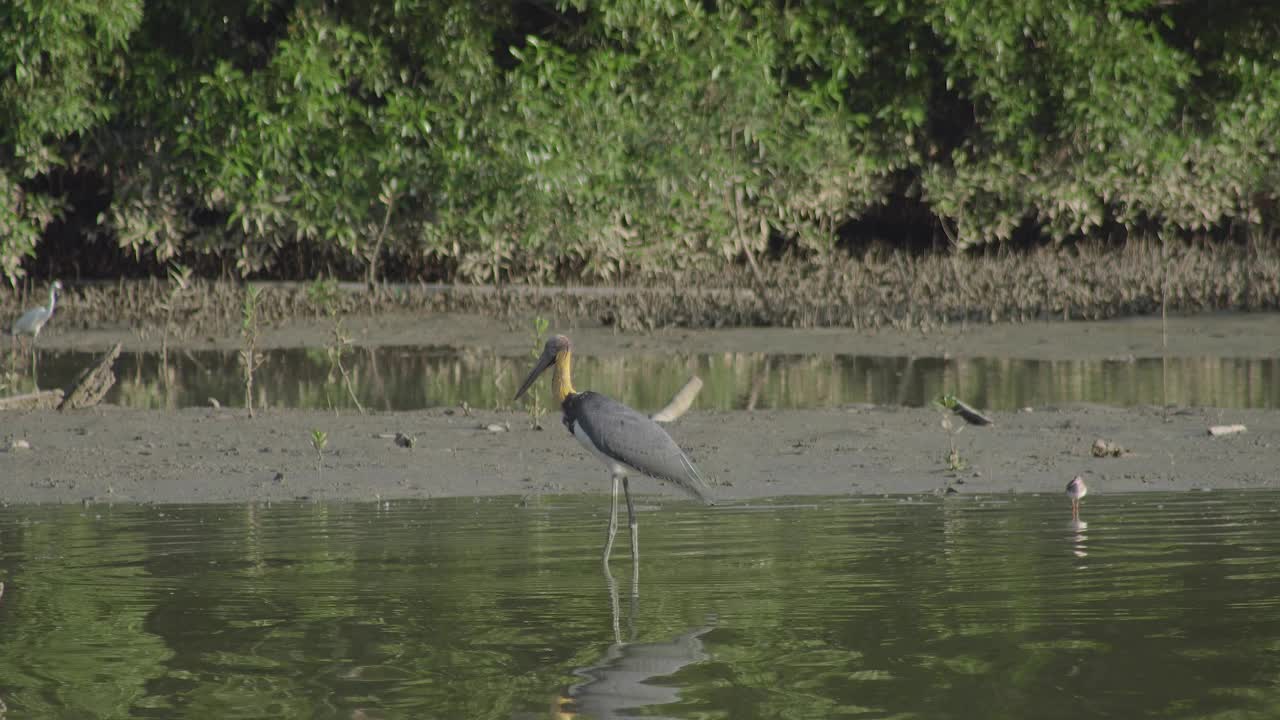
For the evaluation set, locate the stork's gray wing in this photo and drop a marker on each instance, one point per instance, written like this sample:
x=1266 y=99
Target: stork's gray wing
x=634 y=439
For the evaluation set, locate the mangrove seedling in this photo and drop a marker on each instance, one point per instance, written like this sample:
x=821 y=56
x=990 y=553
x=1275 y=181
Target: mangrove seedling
x=323 y=296
x=947 y=404
x=319 y=441
x=538 y=336
x=250 y=358
x=179 y=282
x=338 y=346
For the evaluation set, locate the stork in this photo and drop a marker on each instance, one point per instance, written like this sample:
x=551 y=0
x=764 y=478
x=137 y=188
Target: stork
x=623 y=439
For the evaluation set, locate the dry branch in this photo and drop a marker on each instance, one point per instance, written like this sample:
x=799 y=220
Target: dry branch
x=679 y=404
x=42 y=400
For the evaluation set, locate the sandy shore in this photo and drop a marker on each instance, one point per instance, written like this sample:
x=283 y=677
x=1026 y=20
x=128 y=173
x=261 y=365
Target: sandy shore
x=219 y=455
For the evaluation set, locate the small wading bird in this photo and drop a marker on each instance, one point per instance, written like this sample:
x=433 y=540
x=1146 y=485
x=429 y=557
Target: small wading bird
x=1076 y=489
x=624 y=439
x=34 y=319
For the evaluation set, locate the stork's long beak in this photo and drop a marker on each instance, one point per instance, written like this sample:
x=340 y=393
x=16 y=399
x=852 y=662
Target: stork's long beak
x=544 y=362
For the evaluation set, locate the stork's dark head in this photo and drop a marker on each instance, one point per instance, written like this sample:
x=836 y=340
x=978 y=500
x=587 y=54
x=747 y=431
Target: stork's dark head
x=556 y=346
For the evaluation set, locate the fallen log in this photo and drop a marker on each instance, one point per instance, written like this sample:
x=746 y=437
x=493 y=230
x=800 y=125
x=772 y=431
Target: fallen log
x=41 y=400
x=93 y=383
x=972 y=416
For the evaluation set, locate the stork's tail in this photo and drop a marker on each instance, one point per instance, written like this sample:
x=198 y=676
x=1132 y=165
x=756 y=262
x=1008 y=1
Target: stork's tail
x=694 y=484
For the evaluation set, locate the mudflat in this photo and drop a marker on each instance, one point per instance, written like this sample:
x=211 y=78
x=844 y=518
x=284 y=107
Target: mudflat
x=111 y=454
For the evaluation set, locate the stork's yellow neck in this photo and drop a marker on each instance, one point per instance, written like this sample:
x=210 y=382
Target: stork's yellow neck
x=561 y=383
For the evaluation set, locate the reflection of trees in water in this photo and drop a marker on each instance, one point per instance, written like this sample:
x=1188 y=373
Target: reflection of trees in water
x=76 y=639
x=467 y=608
x=407 y=378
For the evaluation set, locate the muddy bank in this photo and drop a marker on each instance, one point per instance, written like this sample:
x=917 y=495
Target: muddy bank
x=876 y=290
x=206 y=455
x=110 y=454
x=1205 y=335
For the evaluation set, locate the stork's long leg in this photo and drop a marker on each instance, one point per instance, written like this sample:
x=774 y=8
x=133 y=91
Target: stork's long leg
x=631 y=518
x=613 y=519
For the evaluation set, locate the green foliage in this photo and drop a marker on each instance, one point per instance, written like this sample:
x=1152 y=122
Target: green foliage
x=1088 y=114
x=677 y=138
x=323 y=296
x=59 y=57
x=600 y=139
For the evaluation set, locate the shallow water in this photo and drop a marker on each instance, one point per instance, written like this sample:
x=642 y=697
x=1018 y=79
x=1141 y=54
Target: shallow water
x=408 y=378
x=1162 y=606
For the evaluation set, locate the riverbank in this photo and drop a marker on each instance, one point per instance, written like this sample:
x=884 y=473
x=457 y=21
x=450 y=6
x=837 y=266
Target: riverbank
x=110 y=454
x=874 y=291
x=1224 y=334
x=218 y=455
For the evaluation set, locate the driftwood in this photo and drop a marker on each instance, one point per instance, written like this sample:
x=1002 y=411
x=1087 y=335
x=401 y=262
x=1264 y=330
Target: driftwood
x=42 y=400
x=679 y=404
x=93 y=383
x=972 y=416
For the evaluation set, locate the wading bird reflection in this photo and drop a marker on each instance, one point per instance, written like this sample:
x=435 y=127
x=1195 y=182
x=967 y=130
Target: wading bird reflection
x=622 y=438
x=620 y=684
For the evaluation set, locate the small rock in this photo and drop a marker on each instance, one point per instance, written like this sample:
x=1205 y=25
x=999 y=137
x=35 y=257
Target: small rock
x=405 y=441
x=1102 y=448
x=1219 y=430
x=497 y=427
x=19 y=444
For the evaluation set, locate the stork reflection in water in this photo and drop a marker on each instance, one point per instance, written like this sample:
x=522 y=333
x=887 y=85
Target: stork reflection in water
x=623 y=439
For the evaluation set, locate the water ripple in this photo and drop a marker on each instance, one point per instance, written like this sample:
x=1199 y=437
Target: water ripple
x=496 y=608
